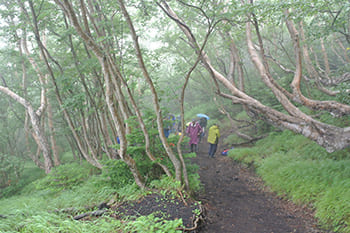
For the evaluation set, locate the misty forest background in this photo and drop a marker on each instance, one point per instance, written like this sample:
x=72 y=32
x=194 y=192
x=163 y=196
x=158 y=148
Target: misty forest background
x=77 y=75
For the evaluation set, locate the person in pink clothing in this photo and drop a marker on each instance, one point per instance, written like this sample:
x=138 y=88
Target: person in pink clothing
x=193 y=131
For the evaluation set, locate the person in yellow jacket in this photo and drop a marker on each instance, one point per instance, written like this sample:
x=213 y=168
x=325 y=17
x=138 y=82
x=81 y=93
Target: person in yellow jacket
x=213 y=139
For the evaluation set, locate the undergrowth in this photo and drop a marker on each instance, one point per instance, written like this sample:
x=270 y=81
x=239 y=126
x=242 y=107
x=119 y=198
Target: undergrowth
x=41 y=205
x=29 y=174
x=152 y=224
x=43 y=210
x=299 y=169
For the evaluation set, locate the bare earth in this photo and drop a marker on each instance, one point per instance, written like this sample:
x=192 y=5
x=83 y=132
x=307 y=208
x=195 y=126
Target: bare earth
x=236 y=200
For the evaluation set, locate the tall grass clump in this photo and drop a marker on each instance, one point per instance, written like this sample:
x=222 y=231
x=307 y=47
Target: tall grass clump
x=151 y=224
x=66 y=176
x=298 y=169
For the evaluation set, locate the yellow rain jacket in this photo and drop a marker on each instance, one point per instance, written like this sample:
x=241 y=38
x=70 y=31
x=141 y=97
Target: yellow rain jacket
x=213 y=134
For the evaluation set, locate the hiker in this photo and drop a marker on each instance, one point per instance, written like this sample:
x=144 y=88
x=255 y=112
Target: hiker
x=172 y=120
x=193 y=131
x=178 y=124
x=167 y=125
x=203 y=123
x=213 y=139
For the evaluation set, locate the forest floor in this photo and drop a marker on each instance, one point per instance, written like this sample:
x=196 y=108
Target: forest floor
x=236 y=200
x=233 y=199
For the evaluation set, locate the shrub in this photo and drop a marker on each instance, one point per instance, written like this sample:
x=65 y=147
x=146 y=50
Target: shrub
x=166 y=185
x=117 y=174
x=233 y=139
x=152 y=224
x=65 y=177
x=192 y=172
x=11 y=169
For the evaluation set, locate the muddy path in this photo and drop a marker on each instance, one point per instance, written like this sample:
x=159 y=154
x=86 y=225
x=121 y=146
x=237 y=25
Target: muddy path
x=236 y=200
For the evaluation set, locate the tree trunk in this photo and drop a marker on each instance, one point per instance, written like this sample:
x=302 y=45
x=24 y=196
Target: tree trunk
x=330 y=137
x=35 y=121
x=156 y=106
x=55 y=154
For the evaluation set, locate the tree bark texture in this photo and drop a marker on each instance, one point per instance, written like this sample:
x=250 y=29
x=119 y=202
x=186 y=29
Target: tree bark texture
x=111 y=82
x=330 y=137
x=35 y=121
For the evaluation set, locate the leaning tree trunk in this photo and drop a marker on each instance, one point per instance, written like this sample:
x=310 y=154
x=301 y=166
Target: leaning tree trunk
x=35 y=116
x=38 y=131
x=111 y=81
x=155 y=99
x=328 y=136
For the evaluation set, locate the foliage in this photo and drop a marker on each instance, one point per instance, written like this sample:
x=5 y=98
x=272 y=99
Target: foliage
x=303 y=171
x=150 y=169
x=67 y=157
x=29 y=173
x=166 y=185
x=116 y=174
x=50 y=223
x=232 y=139
x=79 y=81
x=150 y=224
x=192 y=172
x=11 y=168
x=66 y=177
x=43 y=211
x=137 y=149
x=131 y=192
x=343 y=96
x=209 y=109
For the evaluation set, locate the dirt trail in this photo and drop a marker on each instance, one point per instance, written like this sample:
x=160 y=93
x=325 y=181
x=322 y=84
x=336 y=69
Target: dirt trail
x=236 y=201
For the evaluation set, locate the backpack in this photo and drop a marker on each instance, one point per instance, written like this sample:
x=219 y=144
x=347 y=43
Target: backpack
x=203 y=122
x=225 y=152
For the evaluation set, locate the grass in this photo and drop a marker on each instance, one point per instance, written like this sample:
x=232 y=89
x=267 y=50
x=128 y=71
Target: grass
x=36 y=211
x=38 y=206
x=50 y=222
x=299 y=169
x=40 y=211
x=152 y=224
x=30 y=174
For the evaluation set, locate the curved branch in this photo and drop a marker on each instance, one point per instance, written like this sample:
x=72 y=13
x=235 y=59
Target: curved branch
x=35 y=121
x=156 y=106
x=336 y=108
x=330 y=137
